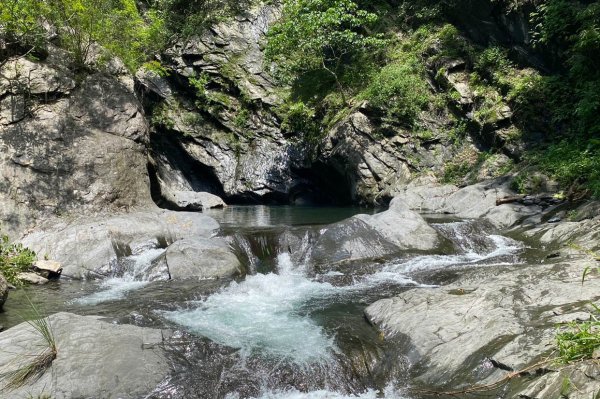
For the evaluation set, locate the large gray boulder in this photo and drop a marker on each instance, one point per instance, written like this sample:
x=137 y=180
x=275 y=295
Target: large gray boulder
x=90 y=247
x=374 y=236
x=506 y=315
x=3 y=290
x=94 y=359
x=196 y=258
x=470 y=202
x=68 y=146
x=403 y=227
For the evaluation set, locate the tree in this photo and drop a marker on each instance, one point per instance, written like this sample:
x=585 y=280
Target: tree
x=325 y=35
x=115 y=25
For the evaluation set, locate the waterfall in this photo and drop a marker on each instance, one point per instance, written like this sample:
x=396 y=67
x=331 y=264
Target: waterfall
x=134 y=276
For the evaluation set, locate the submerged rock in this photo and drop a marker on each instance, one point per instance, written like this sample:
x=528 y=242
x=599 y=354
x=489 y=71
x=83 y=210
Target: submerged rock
x=90 y=248
x=3 y=291
x=198 y=258
x=93 y=359
x=32 y=278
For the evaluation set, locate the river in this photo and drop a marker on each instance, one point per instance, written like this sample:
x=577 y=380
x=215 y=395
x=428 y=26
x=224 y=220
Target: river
x=288 y=329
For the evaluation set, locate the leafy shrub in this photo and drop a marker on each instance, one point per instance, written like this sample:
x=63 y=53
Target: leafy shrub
x=578 y=340
x=299 y=118
x=14 y=259
x=400 y=89
x=575 y=164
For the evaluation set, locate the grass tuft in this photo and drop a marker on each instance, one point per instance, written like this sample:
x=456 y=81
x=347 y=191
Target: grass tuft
x=40 y=362
x=578 y=340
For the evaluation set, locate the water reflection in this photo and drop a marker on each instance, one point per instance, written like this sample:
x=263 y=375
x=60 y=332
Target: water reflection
x=268 y=216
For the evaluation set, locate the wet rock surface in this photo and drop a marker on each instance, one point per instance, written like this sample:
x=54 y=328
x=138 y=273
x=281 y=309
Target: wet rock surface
x=365 y=237
x=86 y=363
x=90 y=248
x=197 y=258
x=505 y=315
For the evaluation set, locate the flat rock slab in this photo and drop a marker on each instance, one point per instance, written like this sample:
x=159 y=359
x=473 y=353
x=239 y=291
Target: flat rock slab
x=89 y=248
x=505 y=314
x=471 y=202
x=95 y=359
x=194 y=201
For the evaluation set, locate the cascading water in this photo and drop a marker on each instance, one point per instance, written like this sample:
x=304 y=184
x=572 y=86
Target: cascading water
x=287 y=331
x=262 y=315
x=134 y=277
x=272 y=316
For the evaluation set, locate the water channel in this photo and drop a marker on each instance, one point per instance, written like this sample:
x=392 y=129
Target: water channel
x=287 y=329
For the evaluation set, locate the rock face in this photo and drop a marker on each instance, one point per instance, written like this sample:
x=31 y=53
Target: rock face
x=94 y=358
x=216 y=129
x=90 y=247
x=225 y=143
x=67 y=145
x=3 y=290
x=197 y=258
x=505 y=315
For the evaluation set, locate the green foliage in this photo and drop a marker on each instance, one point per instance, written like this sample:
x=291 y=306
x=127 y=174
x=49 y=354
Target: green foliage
x=575 y=164
x=115 y=25
x=455 y=172
x=320 y=35
x=400 y=88
x=241 y=118
x=298 y=118
x=184 y=18
x=578 y=340
x=161 y=117
x=14 y=259
x=20 y=21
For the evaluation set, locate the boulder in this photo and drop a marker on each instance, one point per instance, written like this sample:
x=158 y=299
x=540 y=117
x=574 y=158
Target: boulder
x=350 y=240
x=403 y=227
x=470 y=202
x=94 y=358
x=32 y=278
x=90 y=247
x=193 y=201
x=374 y=236
x=3 y=290
x=196 y=258
x=48 y=268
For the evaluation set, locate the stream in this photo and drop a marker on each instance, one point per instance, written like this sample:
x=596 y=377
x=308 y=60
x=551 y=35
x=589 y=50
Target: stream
x=289 y=328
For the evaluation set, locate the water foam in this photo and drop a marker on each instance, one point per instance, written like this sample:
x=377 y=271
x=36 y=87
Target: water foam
x=262 y=315
x=117 y=288
x=388 y=392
